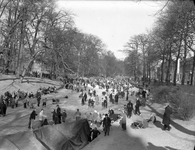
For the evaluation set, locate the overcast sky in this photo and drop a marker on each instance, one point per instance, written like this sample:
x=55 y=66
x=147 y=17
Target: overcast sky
x=114 y=22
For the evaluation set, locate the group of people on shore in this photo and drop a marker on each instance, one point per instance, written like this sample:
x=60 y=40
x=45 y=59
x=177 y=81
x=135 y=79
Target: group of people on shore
x=12 y=99
x=58 y=117
x=9 y=99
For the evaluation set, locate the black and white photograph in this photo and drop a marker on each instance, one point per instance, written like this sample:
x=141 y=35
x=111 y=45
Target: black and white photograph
x=97 y=75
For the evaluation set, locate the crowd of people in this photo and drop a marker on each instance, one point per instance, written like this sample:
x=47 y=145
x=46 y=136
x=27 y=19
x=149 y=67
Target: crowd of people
x=120 y=89
x=114 y=91
x=12 y=99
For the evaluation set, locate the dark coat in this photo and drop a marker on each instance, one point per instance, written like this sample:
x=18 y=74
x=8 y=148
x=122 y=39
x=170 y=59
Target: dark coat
x=4 y=108
x=85 y=95
x=59 y=111
x=95 y=133
x=107 y=122
x=33 y=115
x=110 y=96
x=138 y=104
x=167 y=116
x=116 y=98
x=129 y=106
x=144 y=94
x=55 y=118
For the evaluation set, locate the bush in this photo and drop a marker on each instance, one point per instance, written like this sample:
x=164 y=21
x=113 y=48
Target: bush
x=186 y=107
x=182 y=102
x=160 y=94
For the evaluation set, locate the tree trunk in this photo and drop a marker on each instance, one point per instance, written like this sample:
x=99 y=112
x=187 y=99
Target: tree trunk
x=29 y=65
x=184 y=63
x=162 y=66
x=169 y=66
x=21 y=48
x=193 y=68
x=78 y=67
x=25 y=70
x=134 y=72
x=144 y=68
x=149 y=73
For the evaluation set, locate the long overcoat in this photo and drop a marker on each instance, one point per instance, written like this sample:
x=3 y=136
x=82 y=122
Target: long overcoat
x=167 y=116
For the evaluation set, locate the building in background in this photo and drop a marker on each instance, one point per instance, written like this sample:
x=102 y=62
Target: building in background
x=188 y=71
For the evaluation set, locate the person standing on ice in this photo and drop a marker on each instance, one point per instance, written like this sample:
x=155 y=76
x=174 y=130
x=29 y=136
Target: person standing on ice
x=95 y=132
x=116 y=98
x=167 y=117
x=55 y=117
x=77 y=114
x=137 y=105
x=59 y=114
x=31 y=119
x=64 y=115
x=38 y=95
x=129 y=109
x=123 y=121
x=106 y=125
x=42 y=117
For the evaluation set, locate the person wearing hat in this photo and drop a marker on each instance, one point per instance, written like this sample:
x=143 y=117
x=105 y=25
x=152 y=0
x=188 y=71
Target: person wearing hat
x=106 y=124
x=137 y=105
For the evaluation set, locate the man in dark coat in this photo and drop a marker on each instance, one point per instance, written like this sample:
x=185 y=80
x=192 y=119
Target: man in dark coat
x=32 y=117
x=105 y=103
x=83 y=101
x=59 y=113
x=38 y=97
x=129 y=109
x=116 y=98
x=4 y=108
x=167 y=117
x=106 y=124
x=85 y=97
x=137 y=105
x=1 y=105
x=127 y=95
x=144 y=93
x=111 y=98
x=89 y=102
x=55 y=117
